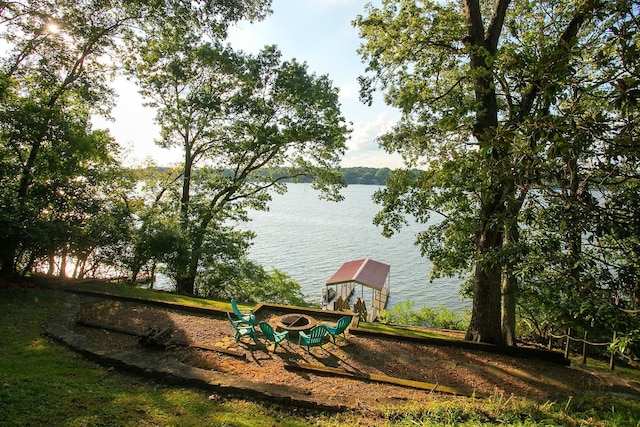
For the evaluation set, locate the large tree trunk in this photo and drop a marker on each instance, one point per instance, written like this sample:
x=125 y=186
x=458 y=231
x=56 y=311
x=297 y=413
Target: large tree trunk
x=52 y=263
x=482 y=45
x=485 y=325
x=63 y=265
x=509 y=280
x=186 y=282
x=8 y=259
x=509 y=298
x=186 y=285
x=485 y=318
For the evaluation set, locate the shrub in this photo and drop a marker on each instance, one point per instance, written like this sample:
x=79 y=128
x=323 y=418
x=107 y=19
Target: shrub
x=439 y=317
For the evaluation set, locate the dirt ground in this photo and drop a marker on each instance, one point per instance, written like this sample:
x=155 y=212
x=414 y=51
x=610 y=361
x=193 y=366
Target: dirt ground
x=486 y=373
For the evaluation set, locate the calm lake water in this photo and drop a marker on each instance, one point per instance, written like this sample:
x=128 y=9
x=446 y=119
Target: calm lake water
x=309 y=239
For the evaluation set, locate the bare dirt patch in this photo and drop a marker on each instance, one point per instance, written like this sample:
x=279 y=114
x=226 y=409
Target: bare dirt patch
x=192 y=334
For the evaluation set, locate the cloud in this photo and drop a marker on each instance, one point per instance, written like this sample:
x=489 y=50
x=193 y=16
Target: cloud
x=349 y=92
x=365 y=132
x=242 y=37
x=362 y=148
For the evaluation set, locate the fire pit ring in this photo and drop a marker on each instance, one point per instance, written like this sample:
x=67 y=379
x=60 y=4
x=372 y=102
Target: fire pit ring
x=295 y=323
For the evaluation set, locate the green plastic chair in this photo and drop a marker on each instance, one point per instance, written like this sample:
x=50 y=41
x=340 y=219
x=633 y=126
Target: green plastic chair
x=246 y=314
x=271 y=335
x=340 y=327
x=242 y=329
x=314 y=338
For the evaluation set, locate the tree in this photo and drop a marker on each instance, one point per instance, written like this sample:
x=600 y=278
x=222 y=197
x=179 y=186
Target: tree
x=453 y=73
x=249 y=282
x=235 y=116
x=485 y=90
x=43 y=78
x=65 y=189
x=582 y=224
x=60 y=56
x=157 y=233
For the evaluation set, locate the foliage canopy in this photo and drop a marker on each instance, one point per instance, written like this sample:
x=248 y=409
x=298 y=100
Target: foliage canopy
x=524 y=116
x=65 y=195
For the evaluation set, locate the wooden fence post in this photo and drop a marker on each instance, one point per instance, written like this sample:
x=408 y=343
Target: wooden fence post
x=584 y=349
x=566 y=347
x=612 y=361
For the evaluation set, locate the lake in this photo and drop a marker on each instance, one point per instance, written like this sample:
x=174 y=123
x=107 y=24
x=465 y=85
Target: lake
x=309 y=239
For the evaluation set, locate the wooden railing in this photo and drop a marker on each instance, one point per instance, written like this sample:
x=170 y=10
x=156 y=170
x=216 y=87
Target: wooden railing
x=585 y=343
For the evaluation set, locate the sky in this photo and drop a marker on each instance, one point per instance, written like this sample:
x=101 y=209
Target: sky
x=318 y=32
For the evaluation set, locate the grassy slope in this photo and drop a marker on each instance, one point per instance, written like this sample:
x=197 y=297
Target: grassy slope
x=42 y=383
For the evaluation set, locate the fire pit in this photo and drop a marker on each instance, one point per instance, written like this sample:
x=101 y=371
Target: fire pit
x=295 y=323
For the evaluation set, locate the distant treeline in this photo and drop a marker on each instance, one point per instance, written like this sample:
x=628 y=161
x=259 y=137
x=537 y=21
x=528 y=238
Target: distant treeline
x=355 y=175
x=362 y=175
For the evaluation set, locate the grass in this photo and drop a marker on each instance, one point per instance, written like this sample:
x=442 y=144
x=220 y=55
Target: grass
x=128 y=291
x=42 y=383
x=625 y=370
x=407 y=331
x=499 y=410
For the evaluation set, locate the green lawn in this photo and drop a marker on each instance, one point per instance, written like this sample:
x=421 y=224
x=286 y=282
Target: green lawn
x=129 y=291
x=407 y=331
x=42 y=383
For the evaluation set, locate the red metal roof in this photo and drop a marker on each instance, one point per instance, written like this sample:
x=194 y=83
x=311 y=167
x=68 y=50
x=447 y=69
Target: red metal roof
x=366 y=272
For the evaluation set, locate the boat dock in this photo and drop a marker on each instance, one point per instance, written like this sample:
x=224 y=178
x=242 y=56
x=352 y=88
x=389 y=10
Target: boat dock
x=343 y=293
x=367 y=273
x=378 y=304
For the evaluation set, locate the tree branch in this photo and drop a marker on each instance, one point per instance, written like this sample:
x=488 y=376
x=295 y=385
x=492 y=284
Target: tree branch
x=561 y=55
x=495 y=26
